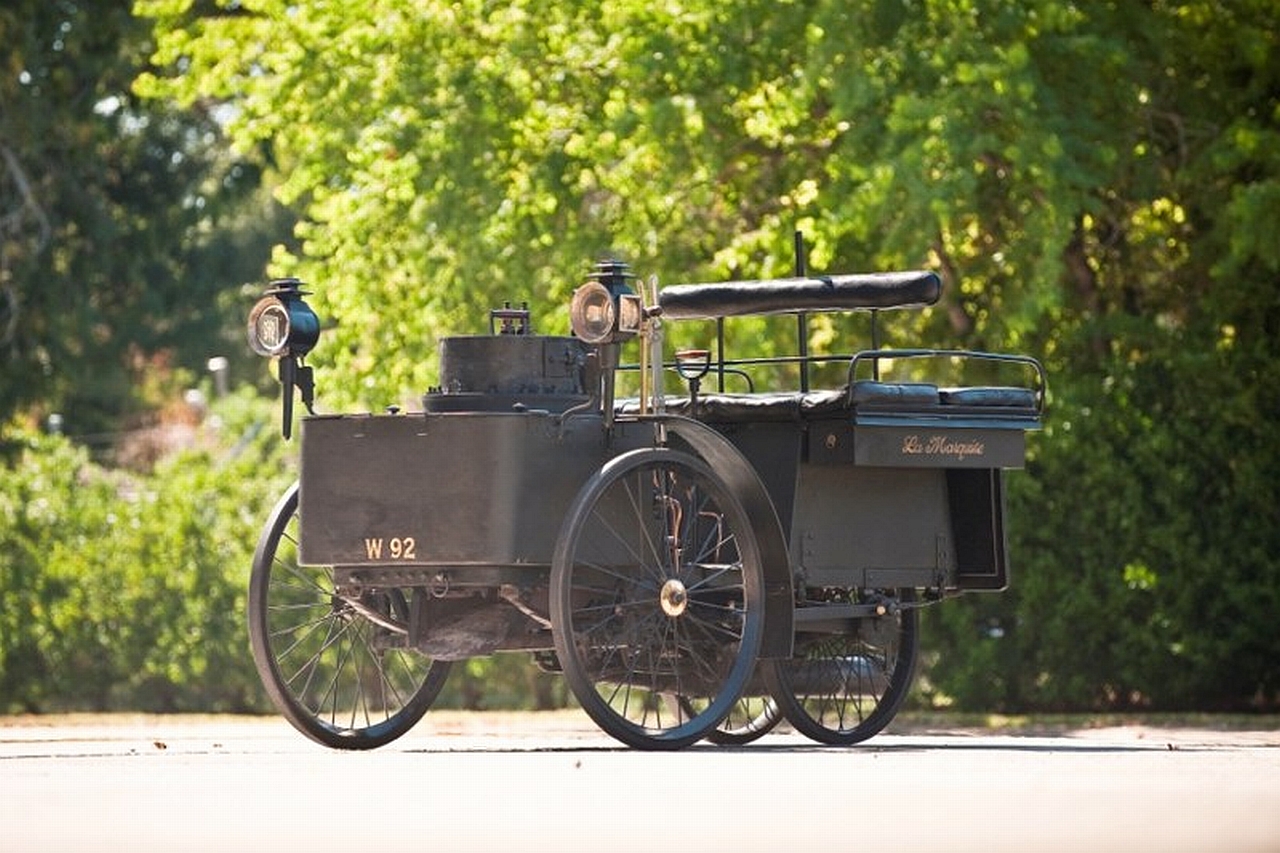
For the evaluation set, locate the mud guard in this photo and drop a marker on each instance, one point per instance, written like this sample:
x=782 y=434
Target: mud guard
x=738 y=474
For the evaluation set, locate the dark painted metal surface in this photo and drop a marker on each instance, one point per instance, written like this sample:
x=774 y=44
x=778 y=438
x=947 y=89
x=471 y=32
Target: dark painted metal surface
x=448 y=490
x=511 y=373
x=936 y=444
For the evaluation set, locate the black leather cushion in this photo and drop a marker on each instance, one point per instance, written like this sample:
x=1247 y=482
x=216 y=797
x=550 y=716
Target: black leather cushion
x=779 y=407
x=897 y=395
x=986 y=396
x=824 y=404
x=739 y=408
x=818 y=293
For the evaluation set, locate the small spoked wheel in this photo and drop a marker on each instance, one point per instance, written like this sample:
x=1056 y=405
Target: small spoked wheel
x=750 y=718
x=842 y=688
x=656 y=592
x=337 y=669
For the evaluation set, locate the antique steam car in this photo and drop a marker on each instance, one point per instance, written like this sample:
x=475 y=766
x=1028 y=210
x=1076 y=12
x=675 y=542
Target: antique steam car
x=698 y=564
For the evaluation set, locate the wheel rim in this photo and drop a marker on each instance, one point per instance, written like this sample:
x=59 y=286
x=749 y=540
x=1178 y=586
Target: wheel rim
x=656 y=591
x=337 y=669
x=844 y=688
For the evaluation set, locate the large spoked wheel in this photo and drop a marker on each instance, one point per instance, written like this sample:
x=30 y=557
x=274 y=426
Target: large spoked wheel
x=656 y=592
x=337 y=669
x=843 y=688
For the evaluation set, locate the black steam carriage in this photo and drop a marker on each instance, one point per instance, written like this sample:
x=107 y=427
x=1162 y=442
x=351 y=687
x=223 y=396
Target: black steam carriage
x=697 y=565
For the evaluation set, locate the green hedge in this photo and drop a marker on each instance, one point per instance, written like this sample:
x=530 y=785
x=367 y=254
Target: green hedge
x=127 y=591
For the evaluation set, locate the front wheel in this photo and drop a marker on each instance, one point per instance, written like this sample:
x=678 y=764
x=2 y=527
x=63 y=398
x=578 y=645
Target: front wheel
x=842 y=688
x=338 y=669
x=656 y=591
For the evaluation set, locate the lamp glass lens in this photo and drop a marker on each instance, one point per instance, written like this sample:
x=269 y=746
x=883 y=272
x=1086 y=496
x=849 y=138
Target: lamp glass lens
x=591 y=313
x=269 y=328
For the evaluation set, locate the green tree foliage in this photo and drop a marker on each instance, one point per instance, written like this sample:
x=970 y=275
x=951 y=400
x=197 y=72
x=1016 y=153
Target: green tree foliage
x=1141 y=540
x=125 y=591
x=121 y=222
x=1096 y=182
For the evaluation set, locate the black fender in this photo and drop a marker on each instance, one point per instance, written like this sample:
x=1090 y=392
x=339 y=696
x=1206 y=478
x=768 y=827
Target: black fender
x=740 y=476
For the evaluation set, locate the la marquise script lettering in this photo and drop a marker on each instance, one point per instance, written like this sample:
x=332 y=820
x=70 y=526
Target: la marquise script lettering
x=941 y=445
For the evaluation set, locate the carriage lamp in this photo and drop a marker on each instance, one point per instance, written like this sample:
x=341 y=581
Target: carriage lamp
x=605 y=309
x=281 y=323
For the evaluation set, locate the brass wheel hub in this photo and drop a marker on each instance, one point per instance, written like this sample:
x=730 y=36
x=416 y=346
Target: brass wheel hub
x=673 y=597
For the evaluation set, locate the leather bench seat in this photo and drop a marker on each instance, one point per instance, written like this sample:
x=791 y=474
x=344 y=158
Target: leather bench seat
x=883 y=397
x=774 y=407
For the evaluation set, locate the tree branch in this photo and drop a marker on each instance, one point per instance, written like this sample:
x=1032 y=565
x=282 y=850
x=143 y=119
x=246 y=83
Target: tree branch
x=12 y=220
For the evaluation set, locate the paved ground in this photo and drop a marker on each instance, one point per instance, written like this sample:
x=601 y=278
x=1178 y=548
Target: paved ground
x=462 y=782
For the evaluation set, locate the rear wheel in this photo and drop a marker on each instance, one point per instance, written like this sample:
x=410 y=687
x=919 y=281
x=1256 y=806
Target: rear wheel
x=843 y=688
x=656 y=592
x=338 y=669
